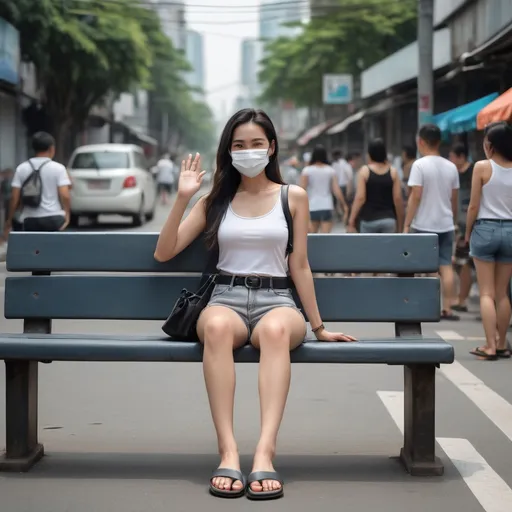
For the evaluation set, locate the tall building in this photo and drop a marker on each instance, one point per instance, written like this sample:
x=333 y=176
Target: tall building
x=195 y=56
x=172 y=18
x=250 y=66
x=274 y=14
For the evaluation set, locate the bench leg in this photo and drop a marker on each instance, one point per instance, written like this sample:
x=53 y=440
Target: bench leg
x=22 y=448
x=418 y=454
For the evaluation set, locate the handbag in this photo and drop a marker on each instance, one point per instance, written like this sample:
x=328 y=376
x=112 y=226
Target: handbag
x=181 y=323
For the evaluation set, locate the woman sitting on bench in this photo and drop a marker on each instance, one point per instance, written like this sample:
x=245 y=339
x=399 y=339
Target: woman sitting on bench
x=252 y=299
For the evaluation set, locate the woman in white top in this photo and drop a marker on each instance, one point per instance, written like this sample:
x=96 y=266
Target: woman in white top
x=489 y=234
x=252 y=301
x=320 y=181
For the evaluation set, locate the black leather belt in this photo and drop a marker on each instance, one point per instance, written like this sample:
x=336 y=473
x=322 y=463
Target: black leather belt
x=254 y=282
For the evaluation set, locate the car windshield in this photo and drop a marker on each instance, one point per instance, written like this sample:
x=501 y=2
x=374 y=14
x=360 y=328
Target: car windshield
x=98 y=160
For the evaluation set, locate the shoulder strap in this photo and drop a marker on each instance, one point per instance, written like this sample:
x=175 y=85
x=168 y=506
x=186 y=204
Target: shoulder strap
x=40 y=167
x=288 y=216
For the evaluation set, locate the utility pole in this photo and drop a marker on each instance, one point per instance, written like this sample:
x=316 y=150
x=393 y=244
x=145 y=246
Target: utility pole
x=426 y=61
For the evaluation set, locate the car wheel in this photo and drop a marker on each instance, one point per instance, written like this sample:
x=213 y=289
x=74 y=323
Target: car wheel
x=139 y=219
x=74 y=220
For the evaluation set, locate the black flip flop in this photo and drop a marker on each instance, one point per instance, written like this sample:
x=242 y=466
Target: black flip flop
x=503 y=353
x=259 y=476
x=484 y=355
x=228 y=493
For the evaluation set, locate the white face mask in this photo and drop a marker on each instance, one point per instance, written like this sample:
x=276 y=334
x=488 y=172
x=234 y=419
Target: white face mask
x=250 y=162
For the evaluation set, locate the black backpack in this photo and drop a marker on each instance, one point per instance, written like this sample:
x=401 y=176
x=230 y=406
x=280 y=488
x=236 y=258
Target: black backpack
x=32 y=188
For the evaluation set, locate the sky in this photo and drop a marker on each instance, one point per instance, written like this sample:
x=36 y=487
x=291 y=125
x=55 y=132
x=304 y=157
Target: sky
x=224 y=24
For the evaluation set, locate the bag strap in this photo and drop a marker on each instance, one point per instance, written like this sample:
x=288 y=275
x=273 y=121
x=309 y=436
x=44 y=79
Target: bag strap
x=288 y=216
x=40 y=167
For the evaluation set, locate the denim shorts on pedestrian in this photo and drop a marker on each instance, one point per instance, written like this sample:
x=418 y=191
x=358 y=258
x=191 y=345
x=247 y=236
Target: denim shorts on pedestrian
x=445 y=242
x=491 y=240
x=378 y=226
x=321 y=216
x=251 y=304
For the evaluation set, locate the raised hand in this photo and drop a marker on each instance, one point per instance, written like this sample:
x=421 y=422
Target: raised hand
x=191 y=176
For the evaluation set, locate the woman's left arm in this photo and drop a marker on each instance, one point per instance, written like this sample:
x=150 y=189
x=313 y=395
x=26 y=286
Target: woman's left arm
x=300 y=269
x=476 y=196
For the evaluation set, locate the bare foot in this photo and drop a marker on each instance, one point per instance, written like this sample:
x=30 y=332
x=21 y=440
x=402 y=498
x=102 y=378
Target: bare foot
x=228 y=461
x=263 y=462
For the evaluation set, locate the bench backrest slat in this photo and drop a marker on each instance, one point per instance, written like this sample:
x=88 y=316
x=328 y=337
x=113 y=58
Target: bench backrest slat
x=150 y=297
x=133 y=252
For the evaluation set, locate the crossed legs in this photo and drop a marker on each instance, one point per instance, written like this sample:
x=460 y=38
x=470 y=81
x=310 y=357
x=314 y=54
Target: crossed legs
x=221 y=331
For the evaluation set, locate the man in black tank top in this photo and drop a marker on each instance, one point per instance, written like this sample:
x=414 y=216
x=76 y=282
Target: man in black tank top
x=463 y=262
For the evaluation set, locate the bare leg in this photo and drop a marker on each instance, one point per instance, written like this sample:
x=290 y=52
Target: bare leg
x=466 y=280
x=221 y=331
x=448 y=286
x=326 y=227
x=314 y=226
x=278 y=332
x=485 y=276
x=503 y=274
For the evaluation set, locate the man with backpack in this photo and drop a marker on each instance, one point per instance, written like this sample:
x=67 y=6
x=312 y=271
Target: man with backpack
x=40 y=188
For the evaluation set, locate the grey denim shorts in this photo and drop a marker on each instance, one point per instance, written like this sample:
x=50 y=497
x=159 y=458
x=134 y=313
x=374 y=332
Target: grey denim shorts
x=251 y=304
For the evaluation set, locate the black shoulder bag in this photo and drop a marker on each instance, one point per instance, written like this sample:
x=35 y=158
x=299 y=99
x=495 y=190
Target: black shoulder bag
x=181 y=323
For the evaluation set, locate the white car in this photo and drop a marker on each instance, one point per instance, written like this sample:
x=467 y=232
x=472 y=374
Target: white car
x=111 y=179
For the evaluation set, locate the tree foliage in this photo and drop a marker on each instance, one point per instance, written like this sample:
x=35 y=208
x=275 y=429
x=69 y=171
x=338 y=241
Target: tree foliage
x=88 y=52
x=342 y=40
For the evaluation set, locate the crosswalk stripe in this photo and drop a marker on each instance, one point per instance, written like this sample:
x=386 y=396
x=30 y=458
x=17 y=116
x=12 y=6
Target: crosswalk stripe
x=487 y=486
x=450 y=335
x=494 y=406
x=491 y=491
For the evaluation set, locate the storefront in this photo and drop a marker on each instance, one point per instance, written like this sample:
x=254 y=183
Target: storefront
x=9 y=83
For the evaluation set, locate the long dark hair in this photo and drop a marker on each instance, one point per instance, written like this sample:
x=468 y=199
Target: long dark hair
x=499 y=135
x=319 y=156
x=227 y=179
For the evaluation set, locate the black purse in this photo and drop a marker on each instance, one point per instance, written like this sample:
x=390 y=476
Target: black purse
x=182 y=322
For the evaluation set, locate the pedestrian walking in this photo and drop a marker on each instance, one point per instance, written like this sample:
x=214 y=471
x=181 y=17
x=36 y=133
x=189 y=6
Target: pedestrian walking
x=408 y=158
x=489 y=234
x=433 y=206
x=459 y=156
x=320 y=181
x=345 y=178
x=378 y=203
x=243 y=218
x=165 y=177
x=40 y=189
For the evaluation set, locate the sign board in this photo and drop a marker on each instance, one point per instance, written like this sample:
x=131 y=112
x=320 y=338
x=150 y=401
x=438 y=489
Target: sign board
x=337 y=89
x=9 y=53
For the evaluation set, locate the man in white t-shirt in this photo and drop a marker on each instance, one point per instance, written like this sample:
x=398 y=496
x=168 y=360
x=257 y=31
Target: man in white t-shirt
x=53 y=211
x=345 y=176
x=165 y=177
x=433 y=206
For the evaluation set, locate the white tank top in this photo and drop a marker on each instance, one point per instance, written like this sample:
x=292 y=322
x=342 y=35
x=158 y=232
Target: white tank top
x=496 y=201
x=254 y=245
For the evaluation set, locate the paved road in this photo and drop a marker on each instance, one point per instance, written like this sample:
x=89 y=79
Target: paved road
x=138 y=437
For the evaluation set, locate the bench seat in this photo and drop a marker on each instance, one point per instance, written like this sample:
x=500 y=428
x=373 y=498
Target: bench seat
x=87 y=347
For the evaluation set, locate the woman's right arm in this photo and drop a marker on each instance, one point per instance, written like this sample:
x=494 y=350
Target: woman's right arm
x=176 y=235
x=360 y=198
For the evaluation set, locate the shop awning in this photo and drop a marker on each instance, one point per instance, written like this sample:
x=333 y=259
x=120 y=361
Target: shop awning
x=463 y=119
x=340 y=127
x=498 y=110
x=314 y=132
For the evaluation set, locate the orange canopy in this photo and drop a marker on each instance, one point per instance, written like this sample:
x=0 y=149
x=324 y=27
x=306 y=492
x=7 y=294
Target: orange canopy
x=498 y=110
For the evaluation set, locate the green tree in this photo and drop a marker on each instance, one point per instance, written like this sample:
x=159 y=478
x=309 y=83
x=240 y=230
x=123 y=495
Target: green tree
x=357 y=34
x=83 y=52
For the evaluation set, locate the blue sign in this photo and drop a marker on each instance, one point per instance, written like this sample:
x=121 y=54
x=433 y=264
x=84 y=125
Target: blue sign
x=9 y=53
x=337 y=89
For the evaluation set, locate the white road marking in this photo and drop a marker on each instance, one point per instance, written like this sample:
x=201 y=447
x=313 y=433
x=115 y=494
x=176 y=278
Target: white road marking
x=450 y=335
x=491 y=491
x=487 y=486
x=495 y=407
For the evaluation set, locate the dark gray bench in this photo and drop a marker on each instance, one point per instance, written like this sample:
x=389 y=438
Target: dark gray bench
x=72 y=294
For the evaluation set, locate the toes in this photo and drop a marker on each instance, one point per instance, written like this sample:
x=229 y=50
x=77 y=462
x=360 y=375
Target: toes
x=277 y=485
x=227 y=484
x=237 y=485
x=256 y=487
